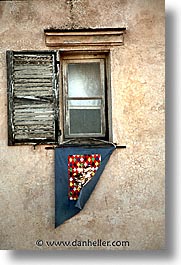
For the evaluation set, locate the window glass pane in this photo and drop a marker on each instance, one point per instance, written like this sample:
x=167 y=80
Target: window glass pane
x=85 y=121
x=83 y=103
x=84 y=80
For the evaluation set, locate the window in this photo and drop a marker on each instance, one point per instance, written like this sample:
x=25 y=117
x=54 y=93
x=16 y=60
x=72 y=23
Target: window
x=64 y=94
x=84 y=96
x=34 y=113
x=85 y=64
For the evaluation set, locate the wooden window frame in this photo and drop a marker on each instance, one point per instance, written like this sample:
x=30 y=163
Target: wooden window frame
x=87 y=57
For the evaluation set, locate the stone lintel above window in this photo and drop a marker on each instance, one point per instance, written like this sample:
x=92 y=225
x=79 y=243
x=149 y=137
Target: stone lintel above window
x=84 y=37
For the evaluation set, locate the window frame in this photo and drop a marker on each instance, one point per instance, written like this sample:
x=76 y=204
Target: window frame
x=85 y=57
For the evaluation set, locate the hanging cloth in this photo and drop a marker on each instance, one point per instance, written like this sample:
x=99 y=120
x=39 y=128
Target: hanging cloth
x=77 y=171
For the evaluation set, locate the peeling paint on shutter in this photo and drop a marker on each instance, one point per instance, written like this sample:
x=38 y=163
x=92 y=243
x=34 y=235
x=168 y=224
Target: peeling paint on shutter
x=33 y=97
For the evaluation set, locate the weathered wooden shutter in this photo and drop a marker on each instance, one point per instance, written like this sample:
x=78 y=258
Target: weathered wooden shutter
x=32 y=97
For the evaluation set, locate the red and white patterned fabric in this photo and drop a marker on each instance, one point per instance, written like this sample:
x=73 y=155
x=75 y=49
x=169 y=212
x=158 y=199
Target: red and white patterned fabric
x=81 y=168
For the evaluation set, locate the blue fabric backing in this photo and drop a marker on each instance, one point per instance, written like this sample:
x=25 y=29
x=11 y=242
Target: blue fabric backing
x=65 y=208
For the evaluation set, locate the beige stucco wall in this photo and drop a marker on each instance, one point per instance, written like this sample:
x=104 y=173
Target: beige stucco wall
x=128 y=202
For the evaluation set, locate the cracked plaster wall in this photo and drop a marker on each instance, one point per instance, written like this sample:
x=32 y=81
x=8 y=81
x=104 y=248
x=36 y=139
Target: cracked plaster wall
x=128 y=202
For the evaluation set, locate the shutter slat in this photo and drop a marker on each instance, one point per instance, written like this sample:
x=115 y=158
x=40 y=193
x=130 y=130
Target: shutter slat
x=33 y=122
x=31 y=93
x=28 y=92
x=30 y=67
x=42 y=117
x=33 y=96
x=30 y=110
x=33 y=117
x=33 y=127
x=34 y=72
x=33 y=137
x=41 y=88
x=33 y=106
x=31 y=85
x=32 y=81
